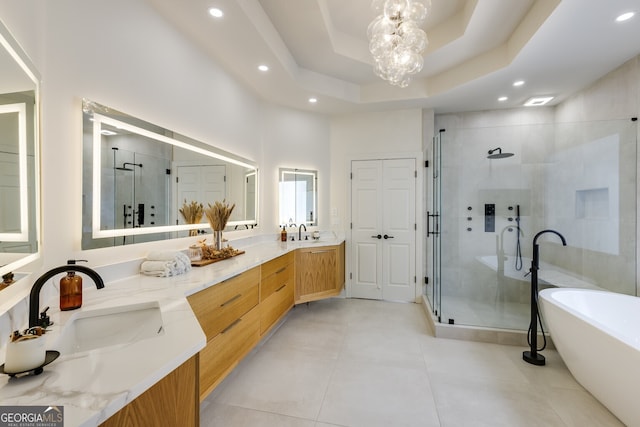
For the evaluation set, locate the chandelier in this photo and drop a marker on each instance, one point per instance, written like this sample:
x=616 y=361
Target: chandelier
x=396 y=40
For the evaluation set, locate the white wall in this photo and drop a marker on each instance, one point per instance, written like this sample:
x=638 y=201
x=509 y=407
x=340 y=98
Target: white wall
x=361 y=136
x=122 y=54
x=293 y=139
x=615 y=96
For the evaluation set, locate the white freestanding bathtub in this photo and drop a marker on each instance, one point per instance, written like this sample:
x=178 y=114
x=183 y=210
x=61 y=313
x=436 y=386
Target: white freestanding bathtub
x=597 y=334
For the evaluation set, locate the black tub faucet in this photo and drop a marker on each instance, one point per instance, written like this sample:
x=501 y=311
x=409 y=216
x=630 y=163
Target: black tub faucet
x=34 y=296
x=532 y=356
x=535 y=263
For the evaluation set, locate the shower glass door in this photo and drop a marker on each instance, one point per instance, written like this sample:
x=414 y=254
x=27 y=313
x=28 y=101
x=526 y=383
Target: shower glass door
x=576 y=178
x=433 y=286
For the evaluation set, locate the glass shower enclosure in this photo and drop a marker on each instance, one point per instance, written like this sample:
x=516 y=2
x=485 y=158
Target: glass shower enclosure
x=495 y=187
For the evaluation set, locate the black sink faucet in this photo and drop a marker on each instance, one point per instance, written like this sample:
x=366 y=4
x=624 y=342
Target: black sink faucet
x=34 y=296
x=300 y=231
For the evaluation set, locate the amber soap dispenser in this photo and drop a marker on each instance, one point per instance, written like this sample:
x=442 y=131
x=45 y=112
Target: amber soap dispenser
x=71 y=289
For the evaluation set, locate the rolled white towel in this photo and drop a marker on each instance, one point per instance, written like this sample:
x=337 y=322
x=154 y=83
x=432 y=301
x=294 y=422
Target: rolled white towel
x=156 y=268
x=165 y=264
x=163 y=255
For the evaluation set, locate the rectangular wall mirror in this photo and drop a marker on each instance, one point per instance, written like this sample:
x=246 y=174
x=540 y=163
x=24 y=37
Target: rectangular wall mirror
x=298 y=190
x=19 y=144
x=137 y=176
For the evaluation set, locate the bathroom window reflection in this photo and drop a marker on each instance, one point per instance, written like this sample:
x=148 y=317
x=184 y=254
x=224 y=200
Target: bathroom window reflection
x=298 y=196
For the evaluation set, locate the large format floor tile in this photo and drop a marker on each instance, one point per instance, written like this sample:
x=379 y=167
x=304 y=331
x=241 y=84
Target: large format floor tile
x=351 y=363
x=369 y=394
x=285 y=382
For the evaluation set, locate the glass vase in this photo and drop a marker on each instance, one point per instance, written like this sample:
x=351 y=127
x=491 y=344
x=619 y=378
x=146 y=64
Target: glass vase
x=217 y=239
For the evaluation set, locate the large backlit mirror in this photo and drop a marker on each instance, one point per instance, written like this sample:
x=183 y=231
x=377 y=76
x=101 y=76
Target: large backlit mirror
x=298 y=196
x=19 y=218
x=137 y=176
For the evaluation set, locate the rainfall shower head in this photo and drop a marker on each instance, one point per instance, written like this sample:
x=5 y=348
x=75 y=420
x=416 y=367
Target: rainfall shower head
x=499 y=155
x=125 y=168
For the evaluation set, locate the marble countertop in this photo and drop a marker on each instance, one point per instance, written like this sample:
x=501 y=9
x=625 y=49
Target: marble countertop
x=95 y=384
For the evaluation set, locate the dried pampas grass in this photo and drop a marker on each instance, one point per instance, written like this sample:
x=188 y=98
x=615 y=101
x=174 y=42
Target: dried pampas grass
x=192 y=213
x=218 y=214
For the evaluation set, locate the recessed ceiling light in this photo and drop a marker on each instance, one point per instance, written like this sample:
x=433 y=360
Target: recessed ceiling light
x=518 y=83
x=537 y=101
x=313 y=100
x=625 y=16
x=216 y=13
x=502 y=98
x=263 y=68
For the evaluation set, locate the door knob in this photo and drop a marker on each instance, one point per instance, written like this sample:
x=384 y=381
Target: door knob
x=388 y=237
x=379 y=236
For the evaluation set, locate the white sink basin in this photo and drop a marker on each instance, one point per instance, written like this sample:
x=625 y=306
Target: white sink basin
x=92 y=329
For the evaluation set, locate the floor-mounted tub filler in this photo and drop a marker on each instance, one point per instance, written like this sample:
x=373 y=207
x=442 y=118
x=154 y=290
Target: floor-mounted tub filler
x=597 y=334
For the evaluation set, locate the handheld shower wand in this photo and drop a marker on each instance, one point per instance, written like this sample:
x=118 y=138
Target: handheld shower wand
x=518 y=265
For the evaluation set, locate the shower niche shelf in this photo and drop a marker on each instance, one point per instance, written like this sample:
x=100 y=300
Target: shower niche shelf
x=592 y=203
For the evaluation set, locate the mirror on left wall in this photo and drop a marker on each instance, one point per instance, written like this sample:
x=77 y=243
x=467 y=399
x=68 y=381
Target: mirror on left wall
x=19 y=157
x=137 y=176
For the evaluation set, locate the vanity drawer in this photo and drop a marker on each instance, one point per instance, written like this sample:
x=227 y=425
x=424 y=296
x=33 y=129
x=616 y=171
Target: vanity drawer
x=226 y=350
x=270 y=284
x=276 y=264
x=220 y=305
x=275 y=306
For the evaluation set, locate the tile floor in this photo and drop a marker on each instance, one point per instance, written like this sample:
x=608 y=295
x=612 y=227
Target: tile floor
x=348 y=362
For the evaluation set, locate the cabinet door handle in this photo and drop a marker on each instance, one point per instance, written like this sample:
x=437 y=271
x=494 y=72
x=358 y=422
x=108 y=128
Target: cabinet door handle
x=281 y=287
x=231 y=326
x=230 y=300
x=320 y=252
x=232 y=277
x=281 y=270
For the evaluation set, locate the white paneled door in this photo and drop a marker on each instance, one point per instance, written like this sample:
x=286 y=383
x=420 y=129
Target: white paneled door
x=202 y=184
x=383 y=206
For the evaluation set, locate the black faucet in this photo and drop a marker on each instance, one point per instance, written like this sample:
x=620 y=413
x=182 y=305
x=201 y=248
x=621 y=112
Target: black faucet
x=300 y=231
x=532 y=355
x=34 y=296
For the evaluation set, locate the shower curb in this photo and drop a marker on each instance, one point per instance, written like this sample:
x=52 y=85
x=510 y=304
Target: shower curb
x=476 y=333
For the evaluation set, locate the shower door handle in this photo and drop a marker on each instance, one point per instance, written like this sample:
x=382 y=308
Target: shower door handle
x=435 y=223
x=379 y=236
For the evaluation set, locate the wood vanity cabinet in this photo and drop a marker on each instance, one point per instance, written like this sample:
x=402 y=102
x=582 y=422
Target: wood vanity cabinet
x=230 y=318
x=171 y=402
x=236 y=313
x=319 y=273
x=276 y=290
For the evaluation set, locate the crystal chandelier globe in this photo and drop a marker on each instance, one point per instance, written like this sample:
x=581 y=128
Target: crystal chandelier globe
x=396 y=40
